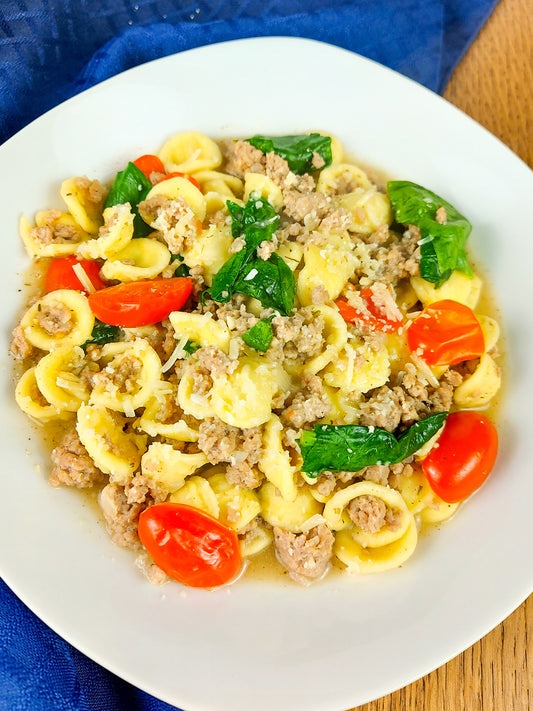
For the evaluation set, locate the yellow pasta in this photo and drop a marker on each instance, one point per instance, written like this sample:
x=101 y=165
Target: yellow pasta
x=31 y=400
x=237 y=506
x=60 y=318
x=459 y=287
x=84 y=207
x=114 y=451
x=150 y=423
x=201 y=329
x=224 y=184
x=209 y=250
x=327 y=266
x=141 y=258
x=112 y=237
x=58 y=376
x=244 y=397
x=56 y=234
x=275 y=461
x=197 y=492
x=289 y=515
x=478 y=389
x=131 y=374
x=358 y=369
x=361 y=560
x=189 y=152
x=177 y=189
x=342 y=174
x=168 y=467
x=369 y=210
x=257 y=185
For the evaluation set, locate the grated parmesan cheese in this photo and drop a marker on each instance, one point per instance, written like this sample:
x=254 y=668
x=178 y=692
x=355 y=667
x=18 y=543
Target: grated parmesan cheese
x=176 y=354
x=80 y=272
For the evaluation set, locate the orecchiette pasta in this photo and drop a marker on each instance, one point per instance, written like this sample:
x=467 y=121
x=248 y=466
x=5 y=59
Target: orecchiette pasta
x=60 y=318
x=140 y=259
x=190 y=152
x=114 y=451
x=113 y=237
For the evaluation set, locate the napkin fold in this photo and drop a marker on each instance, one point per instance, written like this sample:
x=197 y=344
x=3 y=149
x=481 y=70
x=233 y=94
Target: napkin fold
x=52 y=49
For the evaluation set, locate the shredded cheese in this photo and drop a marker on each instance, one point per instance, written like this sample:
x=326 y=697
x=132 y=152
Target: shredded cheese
x=80 y=272
x=176 y=354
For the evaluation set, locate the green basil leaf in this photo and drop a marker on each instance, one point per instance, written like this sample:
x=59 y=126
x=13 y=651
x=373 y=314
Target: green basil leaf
x=443 y=245
x=191 y=347
x=353 y=447
x=260 y=336
x=103 y=333
x=131 y=185
x=297 y=150
x=270 y=281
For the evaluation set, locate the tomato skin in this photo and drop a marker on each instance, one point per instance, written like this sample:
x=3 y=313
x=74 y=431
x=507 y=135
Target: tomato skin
x=177 y=174
x=189 y=545
x=374 y=319
x=149 y=164
x=446 y=332
x=464 y=456
x=60 y=274
x=140 y=303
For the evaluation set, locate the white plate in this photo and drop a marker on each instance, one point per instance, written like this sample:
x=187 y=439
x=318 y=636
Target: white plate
x=262 y=645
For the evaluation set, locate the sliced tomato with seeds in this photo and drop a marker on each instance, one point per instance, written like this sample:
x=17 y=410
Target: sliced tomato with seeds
x=61 y=275
x=374 y=318
x=149 y=164
x=446 y=332
x=140 y=303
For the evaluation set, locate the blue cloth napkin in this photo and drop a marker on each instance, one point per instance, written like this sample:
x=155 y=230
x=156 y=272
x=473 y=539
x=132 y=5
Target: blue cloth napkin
x=53 y=49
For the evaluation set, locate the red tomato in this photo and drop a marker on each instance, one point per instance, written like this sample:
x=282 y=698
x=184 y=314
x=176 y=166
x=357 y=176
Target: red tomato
x=140 y=303
x=189 y=545
x=61 y=275
x=149 y=164
x=446 y=332
x=463 y=457
x=177 y=174
x=375 y=319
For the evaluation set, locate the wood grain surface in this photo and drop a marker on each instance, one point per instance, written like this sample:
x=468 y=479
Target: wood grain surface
x=494 y=85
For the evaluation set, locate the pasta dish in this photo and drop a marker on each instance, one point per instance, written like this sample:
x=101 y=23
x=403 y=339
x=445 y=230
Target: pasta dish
x=255 y=344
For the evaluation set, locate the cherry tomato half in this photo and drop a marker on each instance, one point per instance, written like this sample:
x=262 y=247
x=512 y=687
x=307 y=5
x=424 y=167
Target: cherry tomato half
x=374 y=319
x=149 y=164
x=140 y=303
x=177 y=174
x=446 y=332
x=61 y=275
x=190 y=545
x=464 y=456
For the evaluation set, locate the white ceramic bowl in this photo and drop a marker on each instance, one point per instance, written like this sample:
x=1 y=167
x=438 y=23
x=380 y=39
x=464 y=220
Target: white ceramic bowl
x=263 y=645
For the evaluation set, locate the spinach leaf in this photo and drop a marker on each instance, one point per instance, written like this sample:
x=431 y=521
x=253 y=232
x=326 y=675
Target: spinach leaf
x=103 y=333
x=297 y=150
x=131 y=185
x=271 y=281
x=353 y=447
x=180 y=268
x=191 y=347
x=260 y=336
x=443 y=245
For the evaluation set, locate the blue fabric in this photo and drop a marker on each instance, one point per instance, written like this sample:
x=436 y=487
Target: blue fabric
x=51 y=50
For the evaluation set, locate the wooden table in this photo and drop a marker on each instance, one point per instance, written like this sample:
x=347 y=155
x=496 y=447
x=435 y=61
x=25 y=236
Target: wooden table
x=494 y=85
